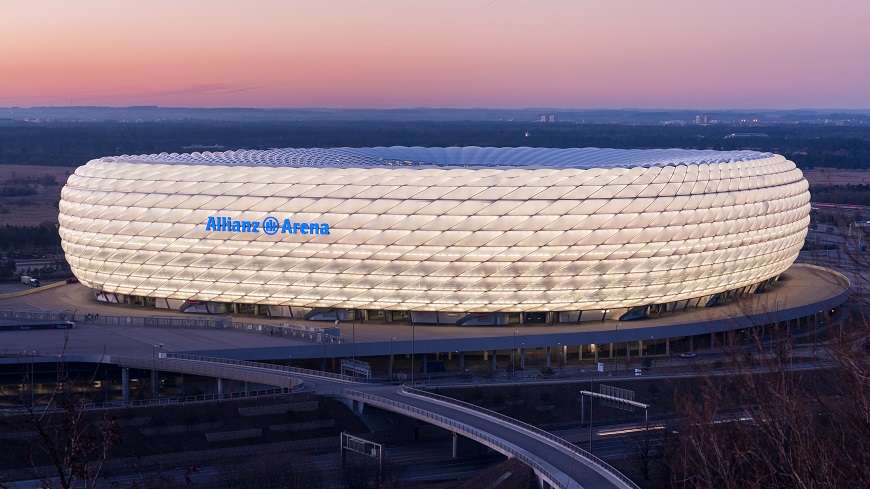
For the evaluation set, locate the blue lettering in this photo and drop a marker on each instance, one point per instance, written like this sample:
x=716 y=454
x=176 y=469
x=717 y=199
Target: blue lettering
x=228 y=224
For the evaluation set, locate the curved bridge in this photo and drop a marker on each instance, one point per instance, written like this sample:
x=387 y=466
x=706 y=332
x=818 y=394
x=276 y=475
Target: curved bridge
x=557 y=462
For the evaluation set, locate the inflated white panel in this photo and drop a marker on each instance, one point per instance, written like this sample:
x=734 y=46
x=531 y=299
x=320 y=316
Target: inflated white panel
x=437 y=229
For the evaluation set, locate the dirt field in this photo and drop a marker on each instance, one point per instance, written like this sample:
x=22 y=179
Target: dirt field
x=835 y=176
x=44 y=181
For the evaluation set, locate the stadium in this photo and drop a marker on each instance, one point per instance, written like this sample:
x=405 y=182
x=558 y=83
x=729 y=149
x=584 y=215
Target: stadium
x=459 y=235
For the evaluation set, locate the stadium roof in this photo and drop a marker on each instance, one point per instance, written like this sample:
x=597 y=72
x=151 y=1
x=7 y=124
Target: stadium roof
x=463 y=157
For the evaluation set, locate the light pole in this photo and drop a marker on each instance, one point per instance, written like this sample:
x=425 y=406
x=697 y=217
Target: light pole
x=412 y=351
x=514 y=354
x=155 y=377
x=590 y=415
x=391 y=357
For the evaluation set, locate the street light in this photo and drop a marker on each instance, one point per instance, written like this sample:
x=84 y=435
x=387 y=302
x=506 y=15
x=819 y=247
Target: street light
x=392 y=338
x=155 y=377
x=412 y=350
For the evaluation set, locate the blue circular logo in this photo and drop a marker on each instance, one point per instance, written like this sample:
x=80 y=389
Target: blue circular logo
x=270 y=225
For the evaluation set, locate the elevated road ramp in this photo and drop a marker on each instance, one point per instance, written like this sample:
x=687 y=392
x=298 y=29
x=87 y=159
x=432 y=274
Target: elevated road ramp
x=557 y=462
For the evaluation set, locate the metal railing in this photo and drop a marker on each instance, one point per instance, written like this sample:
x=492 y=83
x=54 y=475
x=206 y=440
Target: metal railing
x=557 y=479
x=307 y=333
x=168 y=401
x=285 y=369
x=558 y=440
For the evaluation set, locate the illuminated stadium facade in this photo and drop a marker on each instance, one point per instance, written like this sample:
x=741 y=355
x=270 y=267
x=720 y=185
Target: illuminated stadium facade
x=434 y=235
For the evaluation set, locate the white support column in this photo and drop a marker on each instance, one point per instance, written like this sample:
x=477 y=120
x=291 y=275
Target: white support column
x=125 y=384
x=220 y=388
x=455 y=446
x=155 y=383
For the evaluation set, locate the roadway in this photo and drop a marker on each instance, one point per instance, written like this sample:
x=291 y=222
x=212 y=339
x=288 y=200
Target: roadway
x=561 y=464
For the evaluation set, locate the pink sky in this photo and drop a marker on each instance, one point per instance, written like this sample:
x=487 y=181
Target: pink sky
x=472 y=53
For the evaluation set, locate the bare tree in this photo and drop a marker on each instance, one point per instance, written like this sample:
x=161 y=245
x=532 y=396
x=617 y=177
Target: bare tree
x=72 y=442
x=795 y=429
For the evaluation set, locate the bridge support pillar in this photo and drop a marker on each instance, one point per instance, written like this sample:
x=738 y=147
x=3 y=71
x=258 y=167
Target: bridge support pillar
x=611 y=350
x=155 y=383
x=220 y=388
x=455 y=446
x=667 y=347
x=548 y=357
x=522 y=358
x=246 y=390
x=564 y=355
x=493 y=361
x=640 y=348
x=125 y=384
x=462 y=361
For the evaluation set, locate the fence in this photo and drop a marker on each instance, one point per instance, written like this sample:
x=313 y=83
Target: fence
x=306 y=333
x=305 y=372
x=527 y=427
x=167 y=401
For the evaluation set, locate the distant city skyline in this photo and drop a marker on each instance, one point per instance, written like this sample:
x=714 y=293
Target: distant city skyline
x=674 y=54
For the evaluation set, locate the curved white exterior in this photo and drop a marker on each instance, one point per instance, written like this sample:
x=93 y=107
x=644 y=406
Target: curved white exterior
x=435 y=238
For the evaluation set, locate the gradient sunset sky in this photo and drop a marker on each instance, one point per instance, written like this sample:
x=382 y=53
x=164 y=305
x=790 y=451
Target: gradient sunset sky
x=406 y=53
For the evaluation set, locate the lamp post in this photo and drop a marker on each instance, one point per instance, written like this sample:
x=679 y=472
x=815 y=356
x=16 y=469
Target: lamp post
x=155 y=376
x=412 y=351
x=391 y=357
x=514 y=355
